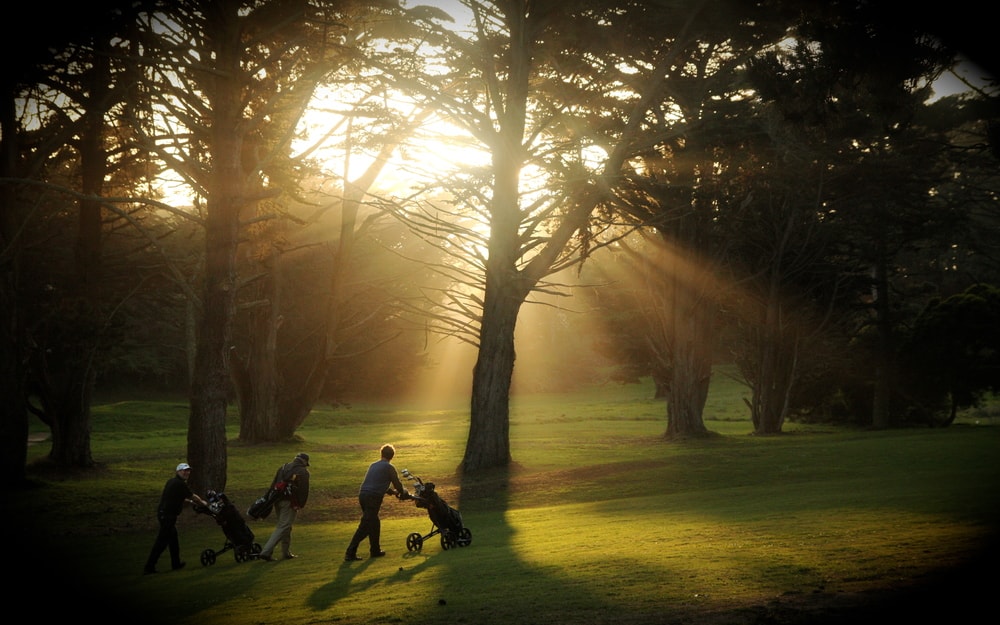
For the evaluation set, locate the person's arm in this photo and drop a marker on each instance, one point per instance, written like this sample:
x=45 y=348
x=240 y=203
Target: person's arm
x=401 y=492
x=193 y=498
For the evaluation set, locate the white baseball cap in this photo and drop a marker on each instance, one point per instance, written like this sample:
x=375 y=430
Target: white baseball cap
x=183 y=466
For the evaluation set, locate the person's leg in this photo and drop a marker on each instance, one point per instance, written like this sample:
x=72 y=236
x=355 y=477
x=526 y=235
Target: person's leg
x=359 y=534
x=174 y=543
x=375 y=534
x=286 y=538
x=370 y=504
x=162 y=539
x=282 y=526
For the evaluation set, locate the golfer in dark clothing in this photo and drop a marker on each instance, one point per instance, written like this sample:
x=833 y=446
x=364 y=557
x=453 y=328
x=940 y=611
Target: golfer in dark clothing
x=175 y=494
x=380 y=476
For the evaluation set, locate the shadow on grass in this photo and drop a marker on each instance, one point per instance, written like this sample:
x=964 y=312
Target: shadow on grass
x=343 y=584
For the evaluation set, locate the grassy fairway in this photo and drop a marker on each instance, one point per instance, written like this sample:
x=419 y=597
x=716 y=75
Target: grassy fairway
x=599 y=521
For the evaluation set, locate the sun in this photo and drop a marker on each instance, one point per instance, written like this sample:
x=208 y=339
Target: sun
x=342 y=134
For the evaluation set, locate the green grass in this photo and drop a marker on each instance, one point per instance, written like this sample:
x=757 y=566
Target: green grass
x=599 y=521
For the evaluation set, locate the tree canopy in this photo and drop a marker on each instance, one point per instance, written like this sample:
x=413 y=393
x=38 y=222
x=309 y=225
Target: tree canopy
x=296 y=185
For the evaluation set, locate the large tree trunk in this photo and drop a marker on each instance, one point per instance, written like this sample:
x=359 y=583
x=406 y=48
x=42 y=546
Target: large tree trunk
x=692 y=372
x=14 y=407
x=73 y=385
x=774 y=377
x=255 y=372
x=488 y=445
x=776 y=351
x=689 y=331
x=65 y=390
x=691 y=323
x=63 y=372
x=206 y=444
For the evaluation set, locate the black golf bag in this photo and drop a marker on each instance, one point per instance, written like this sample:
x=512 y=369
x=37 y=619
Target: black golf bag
x=445 y=520
x=239 y=536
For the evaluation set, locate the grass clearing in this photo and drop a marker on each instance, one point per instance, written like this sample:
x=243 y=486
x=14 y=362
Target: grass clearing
x=599 y=521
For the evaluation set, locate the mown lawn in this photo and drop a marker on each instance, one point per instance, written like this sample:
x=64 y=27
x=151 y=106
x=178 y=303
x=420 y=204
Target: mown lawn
x=599 y=521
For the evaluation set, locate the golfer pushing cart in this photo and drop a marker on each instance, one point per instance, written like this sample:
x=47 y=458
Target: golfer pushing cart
x=445 y=520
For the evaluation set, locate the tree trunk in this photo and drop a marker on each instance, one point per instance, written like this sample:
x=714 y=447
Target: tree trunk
x=690 y=335
x=206 y=443
x=74 y=384
x=68 y=388
x=296 y=402
x=505 y=289
x=14 y=407
x=692 y=373
x=255 y=373
x=71 y=421
x=773 y=388
x=488 y=445
x=883 y=357
x=777 y=351
x=192 y=316
x=63 y=371
x=279 y=417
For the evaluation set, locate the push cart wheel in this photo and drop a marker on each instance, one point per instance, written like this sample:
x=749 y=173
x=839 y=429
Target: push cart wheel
x=447 y=540
x=208 y=557
x=414 y=542
x=256 y=549
x=465 y=537
x=241 y=554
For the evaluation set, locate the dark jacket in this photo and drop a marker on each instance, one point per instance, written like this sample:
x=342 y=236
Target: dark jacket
x=297 y=474
x=175 y=491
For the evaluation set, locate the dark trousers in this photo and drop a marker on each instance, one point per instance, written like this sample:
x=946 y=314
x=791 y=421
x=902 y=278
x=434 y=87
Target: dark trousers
x=166 y=537
x=370 y=526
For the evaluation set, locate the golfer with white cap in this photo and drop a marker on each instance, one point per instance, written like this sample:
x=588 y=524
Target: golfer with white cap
x=176 y=493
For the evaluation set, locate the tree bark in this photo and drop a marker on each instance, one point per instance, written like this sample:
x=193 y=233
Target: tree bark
x=692 y=367
x=255 y=373
x=488 y=444
x=777 y=353
x=278 y=417
x=883 y=358
x=73 y=386
x=68 y=389
x=206 y=443
x=690 y=323
x=63 y=373
x=14 y=407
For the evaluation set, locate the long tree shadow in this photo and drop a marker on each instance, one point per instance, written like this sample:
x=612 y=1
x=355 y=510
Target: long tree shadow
x=343 y=584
